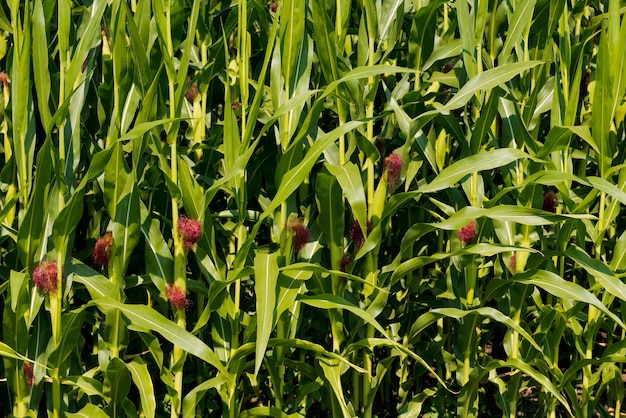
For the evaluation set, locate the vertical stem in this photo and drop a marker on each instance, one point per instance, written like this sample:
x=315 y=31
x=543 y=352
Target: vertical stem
x=514 y=355
x=618 y=401
x=371 y=278
x=56 y=308
x=470 y=269
x=243 y=63
x=370 y=261
x=63 y=16
x=242 y=58
x=56 y=299
x=356 y=387
x=342 y=137
x=341 y=111
x=280 y=355
x=369 y=113
x=180 y=279
x=56 y=394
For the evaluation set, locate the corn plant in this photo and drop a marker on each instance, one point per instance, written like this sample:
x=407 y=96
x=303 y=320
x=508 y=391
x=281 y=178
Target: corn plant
x=298 y=208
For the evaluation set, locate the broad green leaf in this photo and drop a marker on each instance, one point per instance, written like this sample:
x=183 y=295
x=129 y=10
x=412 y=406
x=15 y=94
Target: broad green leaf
x=30 y=229
x=522 y=17
x=332 y=373
x=572 y=371
x=97 y=285
x=479 y=162
x=72 y=323
x=445 y=51
x=264 y=411
x=326 y=41
x=327 y=301
x=483 y=82
x=484 y=123
x=9 y=208
x=193 y=195
x=221 y=334
x=390 y=19
x=143 y=317
x=479 y=373
x=87 y=385
x=143 y=381
x=315 y=268
x=88 y=411
x=191 y=14
x=142 y=128
x=116 y=179
x=289 y=286
x=422 y=36
x=349 y=178
x=296 y=176
x=335 y=302
x=466 y=30
x=40 y=63
x=604 y=95
x=557 y=139
x=119 y=381
x=266 y=276
x=599 y=271
x=139 y=51
x=355 y=74
x=554 y=284
x=6 y=351
x=618 y=263
x=331 y=215
x=259 y=96
x=159 y=259
x=482 y=249
x=22 y=114
x=609 y=188
x=195 y=395
x=291 y=34
x=434 y=314
x=519 y=214
x=129 y=108
x=66 y=221
x=126 y=226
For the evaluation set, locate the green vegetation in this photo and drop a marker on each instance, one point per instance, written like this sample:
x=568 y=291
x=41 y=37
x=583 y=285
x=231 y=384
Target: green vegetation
x=312 y=208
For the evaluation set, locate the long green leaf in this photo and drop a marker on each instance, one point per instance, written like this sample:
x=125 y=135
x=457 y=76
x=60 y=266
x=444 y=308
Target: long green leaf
x=599 y=270
x=88 y=411
x=266 y=276
x=145 y=318
x=522 y=16
x=295 y=177
x=434 y=314
x=514 y=363
x=349 y=178
x=561 y=288
x=142 y=380
x=478 y=162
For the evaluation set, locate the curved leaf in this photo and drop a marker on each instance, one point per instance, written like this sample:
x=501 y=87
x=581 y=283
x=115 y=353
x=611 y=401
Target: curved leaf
x=555 y=285
x=142 y=380
x=145 y=318
x=478 y=162
x=434 y=314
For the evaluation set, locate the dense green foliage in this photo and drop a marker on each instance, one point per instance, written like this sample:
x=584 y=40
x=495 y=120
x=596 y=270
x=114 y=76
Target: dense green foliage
x=308 y=208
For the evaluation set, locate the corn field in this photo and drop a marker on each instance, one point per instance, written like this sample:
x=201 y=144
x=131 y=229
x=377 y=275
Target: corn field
x=306 y=208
